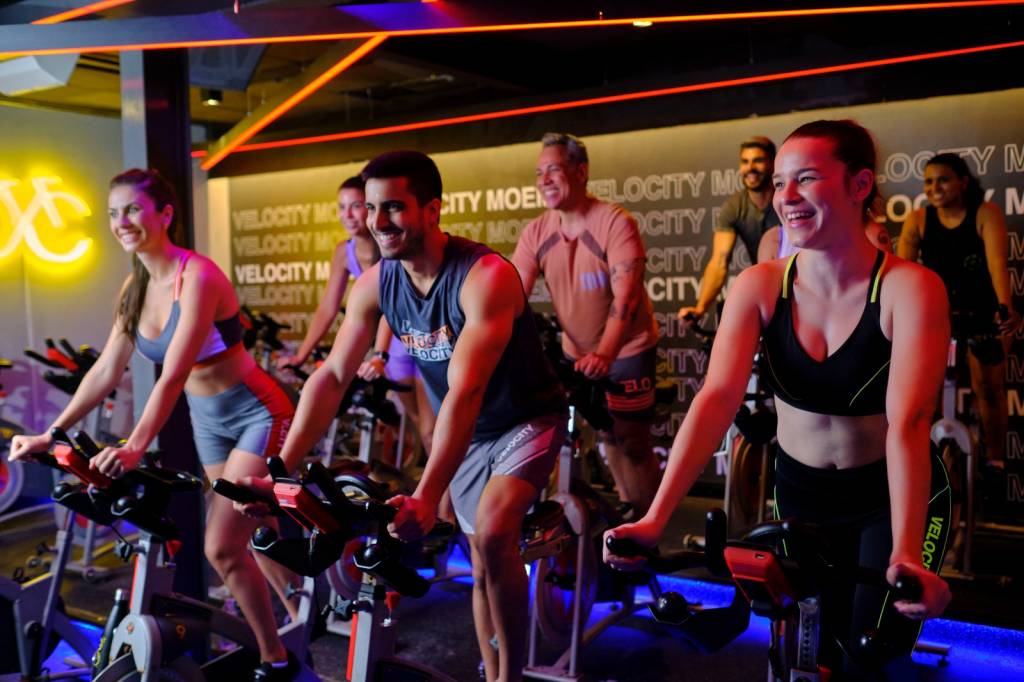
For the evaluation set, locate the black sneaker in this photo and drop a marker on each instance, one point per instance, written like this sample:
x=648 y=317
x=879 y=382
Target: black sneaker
x=265 y=672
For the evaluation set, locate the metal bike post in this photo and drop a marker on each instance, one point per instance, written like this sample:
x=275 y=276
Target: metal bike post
x=969 y=521
x=577 y=606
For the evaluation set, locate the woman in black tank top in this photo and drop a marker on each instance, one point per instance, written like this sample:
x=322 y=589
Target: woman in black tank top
x=858 y=351
x=963 y=238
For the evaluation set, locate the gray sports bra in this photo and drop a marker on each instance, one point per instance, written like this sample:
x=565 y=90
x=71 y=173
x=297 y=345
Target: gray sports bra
x=224 y=334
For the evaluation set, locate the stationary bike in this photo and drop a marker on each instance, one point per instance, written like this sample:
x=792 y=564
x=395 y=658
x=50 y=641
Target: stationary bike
x=12 y=474
x=68 y=365
x=784 y=587
x=32 y=619
x=566 y=578
x=337 y=510
x=959 y=444
x=161 y=627
x=787 y=589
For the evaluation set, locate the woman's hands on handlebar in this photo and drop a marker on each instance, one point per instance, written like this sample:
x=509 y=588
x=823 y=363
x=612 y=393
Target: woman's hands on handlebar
x=935 y=594
x=642 y=532
x=114 y=462
x=262 y=486
x=371 y=369
x=23 y=447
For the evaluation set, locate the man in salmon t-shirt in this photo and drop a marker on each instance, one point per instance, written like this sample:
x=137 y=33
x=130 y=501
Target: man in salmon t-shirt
x=592 y=259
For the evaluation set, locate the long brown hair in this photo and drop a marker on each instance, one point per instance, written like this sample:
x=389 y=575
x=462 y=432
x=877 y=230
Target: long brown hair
x=133 y=295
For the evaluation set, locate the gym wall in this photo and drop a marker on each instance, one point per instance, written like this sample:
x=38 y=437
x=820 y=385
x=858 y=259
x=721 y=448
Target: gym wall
x=71 y=158
x=282 y=225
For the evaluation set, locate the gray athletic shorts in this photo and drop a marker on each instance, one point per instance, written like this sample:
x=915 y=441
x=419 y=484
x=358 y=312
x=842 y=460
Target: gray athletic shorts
x=252 y=416
x=527 y=451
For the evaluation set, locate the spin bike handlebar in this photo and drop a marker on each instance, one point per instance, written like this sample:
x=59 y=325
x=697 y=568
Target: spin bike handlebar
x=704 y=335
x=369 y=395
x=259 y=326
x=672 y=608
x=334 y=511
x=372 y=397
x=708 y=629
x=243 y=495
x=140 y=496
x=71 y=364
x=772 y=582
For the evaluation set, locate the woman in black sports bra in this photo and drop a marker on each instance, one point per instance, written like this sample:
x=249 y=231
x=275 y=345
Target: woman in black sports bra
x=855 y=344
x=963 y=238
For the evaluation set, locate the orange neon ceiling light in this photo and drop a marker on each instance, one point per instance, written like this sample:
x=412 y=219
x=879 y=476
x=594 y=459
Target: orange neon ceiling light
x=486 y=28
x=82 y=11
x=293 y=100
x=626 y=97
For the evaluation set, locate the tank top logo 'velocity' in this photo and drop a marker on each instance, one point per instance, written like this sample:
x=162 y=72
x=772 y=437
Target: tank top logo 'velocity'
x=435 y=346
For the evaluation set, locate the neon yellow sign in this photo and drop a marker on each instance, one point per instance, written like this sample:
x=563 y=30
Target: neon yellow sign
x=23 y=221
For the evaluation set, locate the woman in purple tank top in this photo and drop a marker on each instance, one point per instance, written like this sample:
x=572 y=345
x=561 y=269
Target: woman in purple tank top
x=351 y=258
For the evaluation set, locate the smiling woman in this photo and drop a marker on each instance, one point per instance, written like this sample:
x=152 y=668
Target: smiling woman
x=855 y=345
x=178 y=310
x=963 y=238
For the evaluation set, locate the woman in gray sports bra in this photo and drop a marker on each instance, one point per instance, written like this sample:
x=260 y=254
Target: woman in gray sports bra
x=179 y=310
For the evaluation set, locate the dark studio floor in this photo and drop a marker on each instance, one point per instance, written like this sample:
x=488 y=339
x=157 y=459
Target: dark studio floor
x=984 y=625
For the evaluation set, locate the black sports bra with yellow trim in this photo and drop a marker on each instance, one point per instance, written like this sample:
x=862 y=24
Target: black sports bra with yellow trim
x=849 y=382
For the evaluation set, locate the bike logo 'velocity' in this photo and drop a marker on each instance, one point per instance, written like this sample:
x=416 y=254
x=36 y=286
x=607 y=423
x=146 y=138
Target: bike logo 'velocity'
x=44 y=201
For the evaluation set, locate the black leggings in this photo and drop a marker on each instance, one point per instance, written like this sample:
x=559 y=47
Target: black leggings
x=853 y=504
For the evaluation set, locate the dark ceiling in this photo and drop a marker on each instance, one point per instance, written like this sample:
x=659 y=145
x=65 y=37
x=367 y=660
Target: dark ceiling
x=414 y=78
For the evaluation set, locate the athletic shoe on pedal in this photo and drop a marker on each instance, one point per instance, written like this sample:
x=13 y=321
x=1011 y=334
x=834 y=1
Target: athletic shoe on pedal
x=267 y=672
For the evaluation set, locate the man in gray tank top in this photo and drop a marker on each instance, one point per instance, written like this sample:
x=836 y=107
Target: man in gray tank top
x=460 y=310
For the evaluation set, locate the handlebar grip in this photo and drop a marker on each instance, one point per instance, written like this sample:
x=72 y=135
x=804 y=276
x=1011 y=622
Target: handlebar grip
x=43 y=360
x=907 y=588
x=59 y=435
x=318 y=475
x=58 y=356
x=86 y=444
x=1003 y=312
x=298 y=371
x=383 y=513
x=442 y=530
x=69 y=350
x=243 y=495
x=715 y=533
x=277 y=468
x=627 y=548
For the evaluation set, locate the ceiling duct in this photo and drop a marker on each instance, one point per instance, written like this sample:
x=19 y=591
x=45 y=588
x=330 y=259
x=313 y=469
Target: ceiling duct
x=28 y=74
x=224 y=68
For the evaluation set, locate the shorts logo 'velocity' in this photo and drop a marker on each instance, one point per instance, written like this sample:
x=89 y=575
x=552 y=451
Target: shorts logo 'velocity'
x=22 y=221
x=435 y=346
